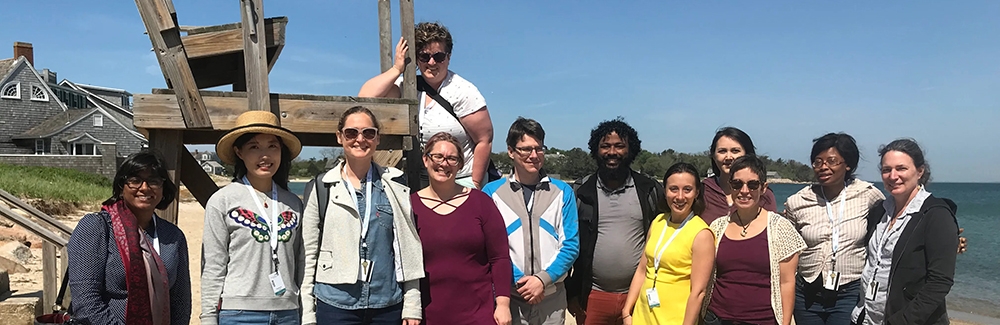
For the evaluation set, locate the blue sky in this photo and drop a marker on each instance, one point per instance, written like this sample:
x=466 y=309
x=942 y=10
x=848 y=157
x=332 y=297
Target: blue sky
x=784 y=71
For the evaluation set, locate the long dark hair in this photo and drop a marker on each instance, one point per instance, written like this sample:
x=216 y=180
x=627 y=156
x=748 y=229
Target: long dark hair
x=733 y=133
x=135 y=164
x=280 y=176
x=699 y=200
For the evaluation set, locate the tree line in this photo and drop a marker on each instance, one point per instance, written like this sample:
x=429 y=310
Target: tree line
x=575 y=163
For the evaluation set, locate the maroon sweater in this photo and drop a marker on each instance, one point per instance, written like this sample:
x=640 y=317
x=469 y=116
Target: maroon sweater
x=717 y=206
x=466 y=258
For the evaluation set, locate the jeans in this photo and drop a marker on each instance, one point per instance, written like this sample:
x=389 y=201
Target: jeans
x=259 y=317
x=326 y=314
x=603 y=308
x=816 y=305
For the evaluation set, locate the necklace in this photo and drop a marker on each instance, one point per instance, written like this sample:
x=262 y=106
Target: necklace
x=747 y=225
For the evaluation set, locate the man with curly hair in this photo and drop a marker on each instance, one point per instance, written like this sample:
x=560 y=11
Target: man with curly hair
x=615 y=206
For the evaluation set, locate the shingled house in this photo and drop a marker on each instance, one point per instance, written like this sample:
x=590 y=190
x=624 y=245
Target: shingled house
x=40 y=116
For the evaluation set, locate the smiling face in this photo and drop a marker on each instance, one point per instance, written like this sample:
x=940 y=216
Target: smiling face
x=434 y=71
x=261 y=156
x=359 y=146
x=143 y=192
x=525 y=156
x=744 y=197
x=442 y=162
x=899 y=174
x=726 y=150
x=612 y=151
x=829 y=167
x=681 y=192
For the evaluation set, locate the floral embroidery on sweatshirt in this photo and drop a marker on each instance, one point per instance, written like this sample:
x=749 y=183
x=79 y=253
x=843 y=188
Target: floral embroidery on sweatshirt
x=260 y=229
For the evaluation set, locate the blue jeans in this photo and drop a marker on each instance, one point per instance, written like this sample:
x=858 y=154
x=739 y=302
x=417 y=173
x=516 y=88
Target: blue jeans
x=816 y=305
x=259 y=317
x=326 y=314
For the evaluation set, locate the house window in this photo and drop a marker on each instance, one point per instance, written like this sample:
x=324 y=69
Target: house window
x=11 y=91
x=98 y=120
x=39 y=94
x=39 y=146
x=81 y=149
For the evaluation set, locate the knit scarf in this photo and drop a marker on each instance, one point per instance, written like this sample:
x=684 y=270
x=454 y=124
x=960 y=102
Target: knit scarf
x=138 y=309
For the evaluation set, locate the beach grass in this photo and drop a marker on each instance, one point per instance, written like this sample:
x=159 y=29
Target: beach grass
x=54 y=185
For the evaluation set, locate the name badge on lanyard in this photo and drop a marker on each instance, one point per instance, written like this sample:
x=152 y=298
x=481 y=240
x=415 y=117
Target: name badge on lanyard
x=277 y=284
x=365 y=265
x=831 y=277
x=651 y=295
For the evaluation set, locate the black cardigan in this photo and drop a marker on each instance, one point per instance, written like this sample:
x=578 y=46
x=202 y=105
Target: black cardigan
x=651 y=202
x=923 y=263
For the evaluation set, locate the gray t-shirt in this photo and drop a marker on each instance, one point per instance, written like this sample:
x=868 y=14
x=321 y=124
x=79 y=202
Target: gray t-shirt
x=620 y=237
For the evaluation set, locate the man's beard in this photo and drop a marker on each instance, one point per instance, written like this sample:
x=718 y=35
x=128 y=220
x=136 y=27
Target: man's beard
x=619 y=173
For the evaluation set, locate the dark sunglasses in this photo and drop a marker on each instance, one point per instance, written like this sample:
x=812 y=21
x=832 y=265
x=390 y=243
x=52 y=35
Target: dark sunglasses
x=426 y=57
x=352 y=133
x=738 y=184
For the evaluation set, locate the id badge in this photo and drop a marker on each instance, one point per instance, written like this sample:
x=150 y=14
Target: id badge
x=872 y=290
x=277 y=284
x=365 y=272
x=653 y=298
x=831 y=280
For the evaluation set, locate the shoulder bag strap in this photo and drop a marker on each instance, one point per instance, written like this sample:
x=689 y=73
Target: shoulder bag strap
x=422 y=85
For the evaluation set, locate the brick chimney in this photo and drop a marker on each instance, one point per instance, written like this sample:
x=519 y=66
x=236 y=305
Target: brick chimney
x=25 y=50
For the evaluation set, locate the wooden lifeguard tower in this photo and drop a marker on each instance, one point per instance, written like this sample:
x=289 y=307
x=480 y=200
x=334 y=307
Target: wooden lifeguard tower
x=241 y=54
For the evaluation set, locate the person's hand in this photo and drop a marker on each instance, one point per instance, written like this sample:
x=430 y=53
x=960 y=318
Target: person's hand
x=502 y=315
x=531 y=289
x=626 y=319
x=961 y=241
x=399 y=62
x=409 y=321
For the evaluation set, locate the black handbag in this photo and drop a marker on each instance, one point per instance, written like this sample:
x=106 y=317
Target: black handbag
x=59 y=315
x=711 y=319
x=492 y=173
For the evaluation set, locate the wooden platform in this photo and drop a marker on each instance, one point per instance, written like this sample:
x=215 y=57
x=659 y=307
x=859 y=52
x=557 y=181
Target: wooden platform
x=215 y=53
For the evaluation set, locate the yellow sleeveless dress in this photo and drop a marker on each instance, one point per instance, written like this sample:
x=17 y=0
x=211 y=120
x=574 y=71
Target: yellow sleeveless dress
x=673 y=284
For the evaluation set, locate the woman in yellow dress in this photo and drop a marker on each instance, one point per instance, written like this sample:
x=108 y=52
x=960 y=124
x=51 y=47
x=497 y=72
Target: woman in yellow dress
x=669 y=284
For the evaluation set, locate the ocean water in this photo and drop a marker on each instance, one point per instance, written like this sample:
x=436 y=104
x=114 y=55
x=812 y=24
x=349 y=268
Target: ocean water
x=977 y=273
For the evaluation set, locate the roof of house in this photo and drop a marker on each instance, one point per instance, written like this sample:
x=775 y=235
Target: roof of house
x=91 y=97
x=212 y=163
x=5 y=66
x=55 y=124
x=115 y=90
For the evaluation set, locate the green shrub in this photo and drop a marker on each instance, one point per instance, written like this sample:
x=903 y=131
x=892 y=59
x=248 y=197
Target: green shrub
x=56 y=184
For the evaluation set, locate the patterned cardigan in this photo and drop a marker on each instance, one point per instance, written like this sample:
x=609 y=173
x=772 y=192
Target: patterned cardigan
x=97 y=274
x=783 y=241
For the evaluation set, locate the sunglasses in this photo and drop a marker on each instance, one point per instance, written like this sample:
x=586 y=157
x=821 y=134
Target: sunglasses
x=738 y=184
x=135 y=182
x=367 y=133
x=426 y=57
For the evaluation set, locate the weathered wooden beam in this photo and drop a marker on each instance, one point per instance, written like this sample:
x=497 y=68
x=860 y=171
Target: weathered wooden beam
x=60 y=227
x=207 y=44
x=255 y=55
x=385 y=50
x=50 y=288
x=195 y=179
x=298 y=113
x=42 y=232
x=63 y=265
x=315 y=138
x=173 y=61
x=406 y=24
x=170 y=144
x=225 y=69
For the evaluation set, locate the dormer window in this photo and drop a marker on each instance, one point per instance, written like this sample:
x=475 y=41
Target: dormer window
x=98 y=120
x=38 y=94
x=11 y=91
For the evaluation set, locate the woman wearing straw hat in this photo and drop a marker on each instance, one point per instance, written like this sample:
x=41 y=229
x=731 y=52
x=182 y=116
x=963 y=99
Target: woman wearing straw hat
x=252 y=260
x=363 y=256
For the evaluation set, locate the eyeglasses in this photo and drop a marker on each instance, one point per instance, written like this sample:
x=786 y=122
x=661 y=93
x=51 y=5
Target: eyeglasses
x=352 y=133
x=440 y=159
x=135 y=182
x=738 y=184
x=525 y=151
x=426 y=57
x=830 y=162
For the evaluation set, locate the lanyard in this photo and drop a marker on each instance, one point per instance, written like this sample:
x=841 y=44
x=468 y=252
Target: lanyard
x=368 y=202
x=658 y=250
x=834 y=223
x=273 y=222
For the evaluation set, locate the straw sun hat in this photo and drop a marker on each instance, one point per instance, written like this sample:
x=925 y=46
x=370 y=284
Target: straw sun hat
x=255 y=122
